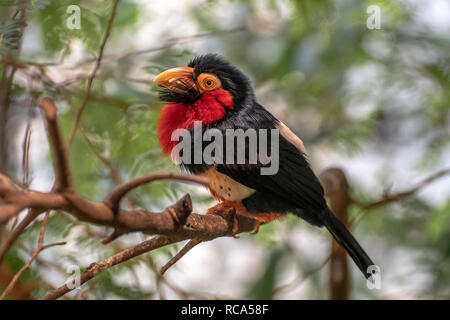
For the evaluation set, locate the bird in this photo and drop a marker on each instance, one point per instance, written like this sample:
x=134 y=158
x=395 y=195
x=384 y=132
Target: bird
x=216 y=94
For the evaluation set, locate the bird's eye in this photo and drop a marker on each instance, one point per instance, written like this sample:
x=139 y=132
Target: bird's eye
x=208 y=82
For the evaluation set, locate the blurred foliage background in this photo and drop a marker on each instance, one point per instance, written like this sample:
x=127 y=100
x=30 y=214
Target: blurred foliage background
x=373 y=102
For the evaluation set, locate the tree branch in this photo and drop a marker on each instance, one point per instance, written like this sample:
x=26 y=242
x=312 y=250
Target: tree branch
x=400 y=195
x=127 y=254
x=336 y=189
x=114 y=198
x=62 y=169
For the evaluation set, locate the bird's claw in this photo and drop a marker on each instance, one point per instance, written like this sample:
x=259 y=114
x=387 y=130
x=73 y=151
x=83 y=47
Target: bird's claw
x=256 y=224
x=227 y=212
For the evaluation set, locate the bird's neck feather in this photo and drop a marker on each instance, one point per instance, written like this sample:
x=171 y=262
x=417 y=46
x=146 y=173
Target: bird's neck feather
x=210 y=107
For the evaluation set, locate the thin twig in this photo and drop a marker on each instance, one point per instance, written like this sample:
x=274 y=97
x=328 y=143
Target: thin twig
x=94 y=73
x=113 y=199
x=387 y=199
x=171 y=41
x=159 y=277
x=300 y=280
x=15 y=233
x=191 y=244
x=115 y=177
x=400 y=195
x=26 y=156
x=42 y=262
x=38 y=250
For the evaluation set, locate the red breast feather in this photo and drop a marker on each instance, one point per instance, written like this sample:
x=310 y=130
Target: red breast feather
x=208 y=108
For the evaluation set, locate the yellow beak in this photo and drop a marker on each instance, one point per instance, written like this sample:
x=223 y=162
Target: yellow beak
x=179 y=79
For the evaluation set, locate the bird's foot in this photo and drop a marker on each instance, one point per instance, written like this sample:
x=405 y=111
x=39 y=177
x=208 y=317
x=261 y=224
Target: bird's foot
x=256 y=230
x=223 y=206
x=238 y=207
x=227 y=210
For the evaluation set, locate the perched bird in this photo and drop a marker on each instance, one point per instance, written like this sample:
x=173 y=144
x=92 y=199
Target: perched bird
x=212 y=91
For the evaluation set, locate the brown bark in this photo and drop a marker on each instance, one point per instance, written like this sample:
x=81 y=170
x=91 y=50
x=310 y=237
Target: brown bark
x=20 y=291
x=337 y=189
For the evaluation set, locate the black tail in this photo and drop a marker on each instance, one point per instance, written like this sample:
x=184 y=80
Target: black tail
x=345 y=239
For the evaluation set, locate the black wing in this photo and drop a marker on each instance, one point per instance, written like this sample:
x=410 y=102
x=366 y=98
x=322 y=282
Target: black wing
x=293 y=187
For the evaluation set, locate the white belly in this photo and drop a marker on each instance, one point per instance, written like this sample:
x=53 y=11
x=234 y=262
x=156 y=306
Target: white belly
x=226 y=188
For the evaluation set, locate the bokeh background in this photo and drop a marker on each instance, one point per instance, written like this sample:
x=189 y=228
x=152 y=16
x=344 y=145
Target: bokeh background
x=375 y=103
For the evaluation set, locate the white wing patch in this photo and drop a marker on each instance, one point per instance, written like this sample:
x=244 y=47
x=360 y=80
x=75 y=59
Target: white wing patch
x=290 y=136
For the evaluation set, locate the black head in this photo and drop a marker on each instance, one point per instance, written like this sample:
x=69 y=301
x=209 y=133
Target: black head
x=186 y=84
